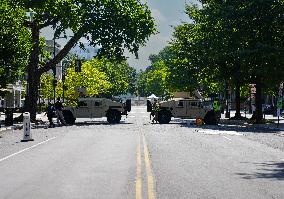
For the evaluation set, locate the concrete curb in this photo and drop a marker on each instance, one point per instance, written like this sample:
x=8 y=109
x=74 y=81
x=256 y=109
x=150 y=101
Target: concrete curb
x=5 y=129
x=271 y=127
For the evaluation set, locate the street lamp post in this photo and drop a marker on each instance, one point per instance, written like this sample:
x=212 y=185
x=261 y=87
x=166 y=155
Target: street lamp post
x=63 y=85
x=54 y=71
x=54 y=67
x=65 y=65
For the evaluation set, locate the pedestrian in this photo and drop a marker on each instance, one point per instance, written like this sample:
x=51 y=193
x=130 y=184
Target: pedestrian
x=59 y=114
x=155 y=118
x=155 y=112
x=50 y=112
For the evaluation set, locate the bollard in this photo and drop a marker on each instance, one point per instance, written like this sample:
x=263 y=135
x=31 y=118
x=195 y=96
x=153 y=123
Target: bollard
x=27 y=128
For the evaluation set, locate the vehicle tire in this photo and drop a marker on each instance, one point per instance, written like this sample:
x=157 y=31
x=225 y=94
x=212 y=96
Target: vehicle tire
x=164 y=117
x=68 y=117
x=210 y=118
x=117 y=117
x=113 y=116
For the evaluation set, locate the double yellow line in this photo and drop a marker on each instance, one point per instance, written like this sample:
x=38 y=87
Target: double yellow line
x=149 y=173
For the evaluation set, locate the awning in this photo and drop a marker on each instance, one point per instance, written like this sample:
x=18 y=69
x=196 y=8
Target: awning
x=152 y=97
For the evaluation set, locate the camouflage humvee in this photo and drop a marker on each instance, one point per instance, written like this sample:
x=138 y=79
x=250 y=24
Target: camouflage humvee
x=184 y=108
x=92 y=107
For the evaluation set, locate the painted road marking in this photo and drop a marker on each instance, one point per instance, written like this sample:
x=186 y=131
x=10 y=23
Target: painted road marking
x=9 y=156
x=219 y=132
x=133 y=116
x=150 y=178
x=227 y=138
x=138 y=172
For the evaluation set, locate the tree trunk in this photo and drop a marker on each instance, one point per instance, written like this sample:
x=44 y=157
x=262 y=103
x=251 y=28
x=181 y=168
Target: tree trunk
x=33 y=74
x=238 y=101
x=258 y=116
x=227 y=114
x=32 y=94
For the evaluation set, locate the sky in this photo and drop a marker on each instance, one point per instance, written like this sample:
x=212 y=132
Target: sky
x=167 y=13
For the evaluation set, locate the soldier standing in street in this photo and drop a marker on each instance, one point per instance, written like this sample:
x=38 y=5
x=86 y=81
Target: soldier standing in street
x=59 y=114
x=216 y=106
x=49 y=112
x=154 y=112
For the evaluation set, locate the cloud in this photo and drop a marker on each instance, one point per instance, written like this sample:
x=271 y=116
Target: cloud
x=153 y=46
x=158 y=16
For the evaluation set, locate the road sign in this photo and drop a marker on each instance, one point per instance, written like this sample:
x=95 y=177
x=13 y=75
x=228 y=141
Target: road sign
x=279 y=103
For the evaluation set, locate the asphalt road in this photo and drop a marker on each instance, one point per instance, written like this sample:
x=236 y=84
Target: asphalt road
x=137 y=160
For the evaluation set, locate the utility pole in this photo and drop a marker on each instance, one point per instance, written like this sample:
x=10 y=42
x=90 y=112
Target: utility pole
x=54 y=71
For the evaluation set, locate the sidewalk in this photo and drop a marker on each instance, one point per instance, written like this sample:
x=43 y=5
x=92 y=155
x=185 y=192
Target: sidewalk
x=39 y=116
x=269 y=126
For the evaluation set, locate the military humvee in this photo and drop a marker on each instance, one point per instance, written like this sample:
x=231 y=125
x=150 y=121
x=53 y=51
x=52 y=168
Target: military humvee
x=184 y=108
x=96 y=108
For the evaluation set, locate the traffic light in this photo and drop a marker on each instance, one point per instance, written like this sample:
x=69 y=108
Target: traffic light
x=78 y=65
x=54 y=82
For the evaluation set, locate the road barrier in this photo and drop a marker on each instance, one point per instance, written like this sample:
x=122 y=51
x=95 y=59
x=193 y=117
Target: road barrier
x=27 y=128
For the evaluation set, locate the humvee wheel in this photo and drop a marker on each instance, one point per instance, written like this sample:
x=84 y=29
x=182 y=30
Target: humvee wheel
x=164 y=117
x=68 y=117
x=113 y=117
x=210 y=118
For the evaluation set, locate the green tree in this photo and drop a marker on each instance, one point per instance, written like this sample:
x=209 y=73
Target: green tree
x=114 y=25
x=154 y=80
x=141 y=83
x=46 y=88
x=100 y=77
x=179 y=77
x=239 y=41
x=95 y=81
x=120 y=75
x=14 y=44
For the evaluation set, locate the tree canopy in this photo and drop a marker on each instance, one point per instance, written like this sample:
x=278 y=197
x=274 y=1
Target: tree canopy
x=100 y=77
x=239 y=42
x=14 y=44
x=113 y=25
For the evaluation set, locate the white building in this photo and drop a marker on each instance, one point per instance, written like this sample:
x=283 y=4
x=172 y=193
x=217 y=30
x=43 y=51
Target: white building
x=13 y=98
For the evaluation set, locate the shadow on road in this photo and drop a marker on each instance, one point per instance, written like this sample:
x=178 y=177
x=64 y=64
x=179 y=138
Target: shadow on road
x=241 y=129
x=267 y=170
x=98 y=123
x=244 y=128
x=86 y=123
